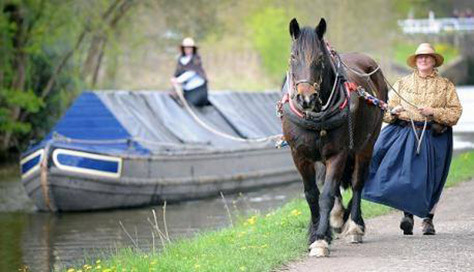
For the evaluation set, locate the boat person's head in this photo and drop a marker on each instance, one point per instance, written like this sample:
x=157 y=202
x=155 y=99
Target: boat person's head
x=188 y=47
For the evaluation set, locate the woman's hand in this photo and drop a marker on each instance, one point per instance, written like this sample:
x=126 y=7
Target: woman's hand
x=426 y=111
x=174 y=81
x=397 y=110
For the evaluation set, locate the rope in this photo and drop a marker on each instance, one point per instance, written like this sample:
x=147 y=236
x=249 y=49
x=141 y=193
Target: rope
x=332 y=92
x=359 y=73
x=397 y=93
x=179 y=91
x=419 y=139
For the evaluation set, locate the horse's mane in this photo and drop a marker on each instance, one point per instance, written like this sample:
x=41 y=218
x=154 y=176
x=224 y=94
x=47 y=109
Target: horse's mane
x=305 y=43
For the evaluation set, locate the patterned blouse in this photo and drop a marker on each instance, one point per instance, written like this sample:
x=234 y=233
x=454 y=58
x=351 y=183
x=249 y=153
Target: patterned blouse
x=431 y=91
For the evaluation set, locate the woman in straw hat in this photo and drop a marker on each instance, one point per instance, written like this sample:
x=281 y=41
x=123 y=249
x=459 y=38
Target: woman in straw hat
x=190 y=74
x=412 y=155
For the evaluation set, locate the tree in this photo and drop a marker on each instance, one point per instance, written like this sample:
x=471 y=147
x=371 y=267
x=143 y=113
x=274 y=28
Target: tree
x=42 y=42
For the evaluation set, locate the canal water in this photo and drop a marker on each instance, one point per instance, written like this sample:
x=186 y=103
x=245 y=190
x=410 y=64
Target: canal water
x=46 y=242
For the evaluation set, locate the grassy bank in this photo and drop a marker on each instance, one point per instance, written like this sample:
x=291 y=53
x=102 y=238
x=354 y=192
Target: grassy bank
x=259 y=243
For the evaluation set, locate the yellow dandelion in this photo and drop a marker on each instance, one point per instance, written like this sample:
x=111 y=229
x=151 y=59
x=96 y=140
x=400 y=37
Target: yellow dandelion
x=196 y=266
x=243 y=268
x=252 y=220
x=97 y=262
x=295 y=212
x=71 y=270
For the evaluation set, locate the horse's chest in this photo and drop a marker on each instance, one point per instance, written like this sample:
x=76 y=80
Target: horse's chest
x=309 y=146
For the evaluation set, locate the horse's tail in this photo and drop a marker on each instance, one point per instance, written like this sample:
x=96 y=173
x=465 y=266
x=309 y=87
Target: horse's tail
x=347 y=175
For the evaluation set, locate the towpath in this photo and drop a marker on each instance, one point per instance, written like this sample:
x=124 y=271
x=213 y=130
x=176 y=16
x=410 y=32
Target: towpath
x=386 y=249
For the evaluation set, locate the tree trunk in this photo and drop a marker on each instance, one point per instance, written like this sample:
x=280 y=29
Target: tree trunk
x=98 y=64
x=96 y=51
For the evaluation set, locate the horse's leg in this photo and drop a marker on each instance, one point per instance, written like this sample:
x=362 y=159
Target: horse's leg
x=336 y=219
x=356 y=226
x=311 y=192
x=334 y=171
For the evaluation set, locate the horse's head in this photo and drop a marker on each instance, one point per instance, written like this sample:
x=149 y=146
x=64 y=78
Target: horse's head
x=309 y=65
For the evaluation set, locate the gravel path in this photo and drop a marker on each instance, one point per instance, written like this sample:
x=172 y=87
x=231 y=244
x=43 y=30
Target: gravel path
x=386 y=249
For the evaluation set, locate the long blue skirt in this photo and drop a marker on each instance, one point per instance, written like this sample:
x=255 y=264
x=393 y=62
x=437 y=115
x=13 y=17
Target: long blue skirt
x=402 y=179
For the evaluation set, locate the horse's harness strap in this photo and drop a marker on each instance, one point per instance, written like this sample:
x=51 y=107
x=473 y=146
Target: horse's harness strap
x=336 y=113
x=311 y=83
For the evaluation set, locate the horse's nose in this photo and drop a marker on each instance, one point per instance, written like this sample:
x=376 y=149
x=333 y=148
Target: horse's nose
x=304 y=100
x=305 y=95
x=305 y=89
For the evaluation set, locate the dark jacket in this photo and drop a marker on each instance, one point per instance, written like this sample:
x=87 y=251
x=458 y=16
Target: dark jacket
x=194 y=64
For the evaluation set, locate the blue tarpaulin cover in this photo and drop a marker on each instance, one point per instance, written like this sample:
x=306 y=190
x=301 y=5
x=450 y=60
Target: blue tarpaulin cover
x=150 y=122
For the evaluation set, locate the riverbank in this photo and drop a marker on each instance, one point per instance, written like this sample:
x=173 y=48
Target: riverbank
x=262 y=242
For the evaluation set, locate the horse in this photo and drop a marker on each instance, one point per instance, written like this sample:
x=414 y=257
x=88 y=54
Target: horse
x=330 y=129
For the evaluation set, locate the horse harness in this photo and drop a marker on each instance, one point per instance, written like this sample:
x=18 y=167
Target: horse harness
x=336 y=111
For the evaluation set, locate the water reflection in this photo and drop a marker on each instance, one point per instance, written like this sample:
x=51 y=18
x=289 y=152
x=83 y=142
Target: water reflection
x=47 y=242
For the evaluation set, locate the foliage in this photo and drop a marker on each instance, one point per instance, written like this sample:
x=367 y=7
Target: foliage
x=271 y=39
x=41 y=50
x=26 y=100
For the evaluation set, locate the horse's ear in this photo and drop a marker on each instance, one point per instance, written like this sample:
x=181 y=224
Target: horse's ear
x=294 y=29
x=321 y=28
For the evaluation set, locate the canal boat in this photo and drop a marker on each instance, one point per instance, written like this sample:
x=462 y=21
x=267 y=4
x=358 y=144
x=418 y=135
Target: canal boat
x=121 y=149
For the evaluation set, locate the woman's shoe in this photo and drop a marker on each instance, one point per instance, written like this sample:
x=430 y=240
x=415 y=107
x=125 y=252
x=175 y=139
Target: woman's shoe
x=407 y=225
x=428 y=227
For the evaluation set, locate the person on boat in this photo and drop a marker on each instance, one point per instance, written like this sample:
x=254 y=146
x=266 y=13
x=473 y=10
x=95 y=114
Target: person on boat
x=190 y=75
x=412 y=155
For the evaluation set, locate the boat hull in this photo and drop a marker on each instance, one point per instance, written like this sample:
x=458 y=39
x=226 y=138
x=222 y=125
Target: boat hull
x=152 y=180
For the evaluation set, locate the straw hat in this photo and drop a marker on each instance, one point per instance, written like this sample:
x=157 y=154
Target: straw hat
x=188 y=42
x=425 y=49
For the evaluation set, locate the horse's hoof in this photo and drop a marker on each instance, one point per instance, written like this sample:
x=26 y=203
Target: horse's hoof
x=319 y=249
x=355 y=238
x=351 y=228
x=319 y=252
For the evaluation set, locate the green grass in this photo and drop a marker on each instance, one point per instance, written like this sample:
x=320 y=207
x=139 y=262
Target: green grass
x=258 y=243
x=403 y=50
x=462 y=168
